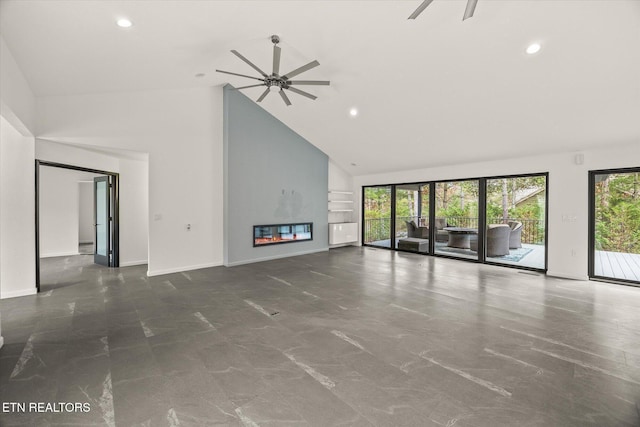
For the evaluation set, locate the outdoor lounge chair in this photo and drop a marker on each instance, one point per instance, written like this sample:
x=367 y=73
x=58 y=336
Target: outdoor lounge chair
x=497 y=240
x=441 y=235
x=415 y=231
x=515 y=236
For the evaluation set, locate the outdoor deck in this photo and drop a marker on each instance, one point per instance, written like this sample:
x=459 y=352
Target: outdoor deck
x=617 y=265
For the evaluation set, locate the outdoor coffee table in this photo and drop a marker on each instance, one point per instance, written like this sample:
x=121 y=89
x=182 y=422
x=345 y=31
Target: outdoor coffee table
x=460 y=237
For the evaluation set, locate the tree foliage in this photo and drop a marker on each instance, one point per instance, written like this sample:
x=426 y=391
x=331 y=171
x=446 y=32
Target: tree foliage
x=617 y=212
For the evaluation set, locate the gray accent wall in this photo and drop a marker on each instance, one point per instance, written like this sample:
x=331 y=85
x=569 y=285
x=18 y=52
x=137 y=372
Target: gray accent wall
x=271 y=176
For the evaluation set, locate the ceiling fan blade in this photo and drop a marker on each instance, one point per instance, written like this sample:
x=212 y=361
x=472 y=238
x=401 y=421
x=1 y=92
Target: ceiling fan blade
x=420 y=8
x=251 y=64
x=309 y=82
x=471 y=7
x=264 y=95
x=301 y=92
x=285 y=98
x=276 y=59
x=301 y=70
x=245 y=87
x=241 y=75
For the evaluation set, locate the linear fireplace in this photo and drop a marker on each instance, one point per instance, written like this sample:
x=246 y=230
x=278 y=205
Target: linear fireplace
x=264 y=235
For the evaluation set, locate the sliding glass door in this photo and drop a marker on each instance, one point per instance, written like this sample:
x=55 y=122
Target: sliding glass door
x=411 y=227
x=614 y=234
x=496 y=220
x=456 y=218
x=377 y=216
x=516 y=221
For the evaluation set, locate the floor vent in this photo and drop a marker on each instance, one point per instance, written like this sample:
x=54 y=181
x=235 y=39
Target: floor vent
x=530 y=273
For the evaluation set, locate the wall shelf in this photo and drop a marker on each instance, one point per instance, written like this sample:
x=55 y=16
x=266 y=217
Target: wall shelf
x=340 y=206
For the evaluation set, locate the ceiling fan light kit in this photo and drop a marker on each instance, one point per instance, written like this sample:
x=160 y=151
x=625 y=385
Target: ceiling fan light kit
x=275 y=82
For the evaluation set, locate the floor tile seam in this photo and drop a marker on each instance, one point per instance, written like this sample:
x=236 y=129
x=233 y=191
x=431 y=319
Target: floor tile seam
x=571 y=347
x=499 y=297
x=621 y=376
x=461 y=373
x=282 y=399
x=332 y=391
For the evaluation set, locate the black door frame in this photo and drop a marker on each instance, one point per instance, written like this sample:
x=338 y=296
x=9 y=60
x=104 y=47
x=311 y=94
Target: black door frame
x=104 y=260
x=115 y=201
x=592 y=225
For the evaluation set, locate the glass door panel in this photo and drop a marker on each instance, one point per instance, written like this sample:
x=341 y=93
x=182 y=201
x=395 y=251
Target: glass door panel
x=377 y=216
x=102 y=220
x=516 y=225
x=411 y=234
x=615 y=229
x=456 y=220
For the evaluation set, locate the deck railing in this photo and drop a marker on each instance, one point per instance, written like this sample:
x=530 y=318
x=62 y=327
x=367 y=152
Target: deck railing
x=376 y=229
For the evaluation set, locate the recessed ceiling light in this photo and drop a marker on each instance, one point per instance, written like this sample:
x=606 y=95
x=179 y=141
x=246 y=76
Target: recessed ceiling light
x=353 y=112
x=353 y=164
x=200 y=75
x=124 y=23
x=533 y=48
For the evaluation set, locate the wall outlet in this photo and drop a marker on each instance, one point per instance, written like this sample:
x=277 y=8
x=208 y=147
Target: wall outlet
x=573 y=252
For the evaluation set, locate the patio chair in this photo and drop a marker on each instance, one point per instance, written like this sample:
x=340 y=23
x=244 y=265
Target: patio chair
x=497 y=236
x=441 y=235
x=515 y=236
x=415 y=231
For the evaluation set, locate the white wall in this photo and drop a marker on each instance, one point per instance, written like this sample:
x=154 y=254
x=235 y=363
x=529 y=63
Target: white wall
x=60 y=211
x=75 y=156
x=17 y=122
x=85 y=212
x=18 y=104
x=568 y=194
x=182 y=132
x=17 y=212
x=134 y=212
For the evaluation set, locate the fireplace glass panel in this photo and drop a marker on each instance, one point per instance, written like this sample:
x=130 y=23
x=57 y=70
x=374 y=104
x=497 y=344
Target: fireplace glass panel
x=281 y=233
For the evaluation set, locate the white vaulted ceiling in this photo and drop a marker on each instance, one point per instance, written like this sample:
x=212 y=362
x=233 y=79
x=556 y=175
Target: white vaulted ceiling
x=429 y=92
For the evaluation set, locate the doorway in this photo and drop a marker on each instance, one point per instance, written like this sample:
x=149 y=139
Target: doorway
x=103 y=240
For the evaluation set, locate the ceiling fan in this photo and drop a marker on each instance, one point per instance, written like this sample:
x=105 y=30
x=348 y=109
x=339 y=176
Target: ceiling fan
x=468 y=12
x=275 y=81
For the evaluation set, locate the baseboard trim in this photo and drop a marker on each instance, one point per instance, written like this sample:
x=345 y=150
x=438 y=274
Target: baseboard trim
x=342 y=245
x=59 y=254
x=151 y=273
x=561 y=275
x=269 y=258
x=132 y=263
x=20 y=293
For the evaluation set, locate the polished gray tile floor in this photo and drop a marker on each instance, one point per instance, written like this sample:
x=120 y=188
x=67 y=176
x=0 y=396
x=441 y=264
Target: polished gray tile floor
x=350 y=337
